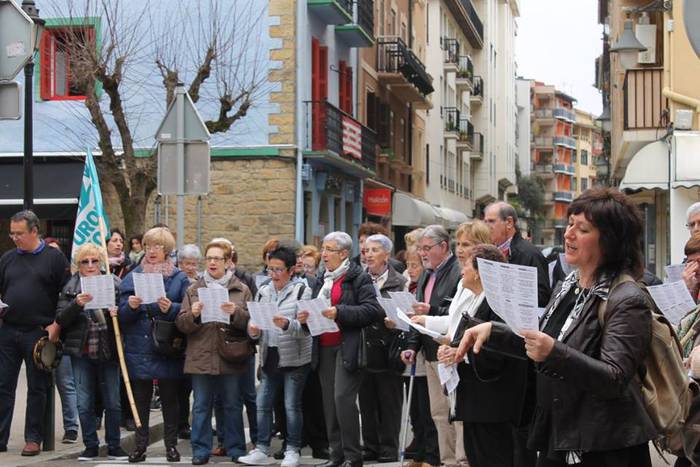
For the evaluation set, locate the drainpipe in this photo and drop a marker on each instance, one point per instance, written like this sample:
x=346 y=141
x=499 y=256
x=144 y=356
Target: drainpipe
x=300 y=63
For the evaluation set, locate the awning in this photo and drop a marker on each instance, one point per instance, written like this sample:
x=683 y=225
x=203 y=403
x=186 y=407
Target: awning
x=412 y=212
x=686 y=147
x=648 y=169
x=451 y=218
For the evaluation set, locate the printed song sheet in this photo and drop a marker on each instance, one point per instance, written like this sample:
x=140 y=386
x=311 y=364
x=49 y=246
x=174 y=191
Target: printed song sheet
x=261 y=315
x=511 y=291
x=674 y=272
x=389 y=306
x=422 y=329
x=212 y=298
x=102 y=290
x=148 y=286
x=673 y=299
x=3 y=305
x=449 y=377
x=317 y=323
x=404 y=300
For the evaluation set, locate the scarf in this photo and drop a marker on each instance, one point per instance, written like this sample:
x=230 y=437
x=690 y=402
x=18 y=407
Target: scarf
x=688 y=330
x=117 y=260
x=331 y=276
x=222 y=281
x=136 y=257
x=166 y=268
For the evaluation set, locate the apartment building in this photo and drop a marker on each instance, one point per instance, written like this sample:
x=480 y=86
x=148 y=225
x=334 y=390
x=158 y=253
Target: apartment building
x=589 y=145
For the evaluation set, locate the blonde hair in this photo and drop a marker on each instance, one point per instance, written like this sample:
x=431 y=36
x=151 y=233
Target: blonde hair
x=89 y=249
x=411 y=252
x=476 y=232
x=223 y=244
x=411 y=238
x=312 y=251
x=160 y=236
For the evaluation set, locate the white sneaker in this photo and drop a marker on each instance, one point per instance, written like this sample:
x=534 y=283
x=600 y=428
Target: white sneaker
x=256 y=457
x=291 y=459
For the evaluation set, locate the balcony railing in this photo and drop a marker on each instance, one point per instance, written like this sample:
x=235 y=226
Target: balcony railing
x=565 y=141
x=565 y=169
x=564 y=114
x=542 y=113
x=451 y=117
x=332 y=11
x=365 y=16
x=394 y=57
x=565 y=196
x=644 y=104
x=331 y=129
x=465 y=68
x=466 y=131
x=451 y=48
x=478 y=91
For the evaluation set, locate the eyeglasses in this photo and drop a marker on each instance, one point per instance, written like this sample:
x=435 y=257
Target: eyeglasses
x=277 y=270
x=153 y=247
x=14 y=235
x=330 y=250
x=217 y=259
x=692 y=225
x=87 y=262
x=426 y=249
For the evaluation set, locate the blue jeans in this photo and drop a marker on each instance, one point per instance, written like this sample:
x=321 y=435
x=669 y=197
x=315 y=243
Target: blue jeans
x=292 y=382
x=65 y=384
x=227 y=388
x=91 y=375
x=16 y=345
x=249 y=395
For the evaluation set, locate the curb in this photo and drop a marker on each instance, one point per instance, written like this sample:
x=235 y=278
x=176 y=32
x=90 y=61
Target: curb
x=128 y=442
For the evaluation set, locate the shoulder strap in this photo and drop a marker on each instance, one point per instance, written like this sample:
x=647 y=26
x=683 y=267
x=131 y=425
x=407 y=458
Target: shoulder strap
x=300 y=292
x=621 y=279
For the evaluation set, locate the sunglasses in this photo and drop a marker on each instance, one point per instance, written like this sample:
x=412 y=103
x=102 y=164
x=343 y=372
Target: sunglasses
x=86 y=262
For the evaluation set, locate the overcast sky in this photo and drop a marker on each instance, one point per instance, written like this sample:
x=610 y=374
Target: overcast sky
x=558 y=41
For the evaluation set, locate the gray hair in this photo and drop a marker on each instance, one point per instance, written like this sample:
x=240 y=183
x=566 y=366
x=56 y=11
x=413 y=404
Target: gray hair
x=189 y=251
x=383 y=240
x=27 y=216
x=692 y=210
x=342 y=239
x=436 y=233
x=505 y=211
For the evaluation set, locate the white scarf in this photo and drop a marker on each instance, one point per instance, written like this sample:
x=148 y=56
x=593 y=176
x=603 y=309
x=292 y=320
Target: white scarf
x=222 y=281
x=331 y=276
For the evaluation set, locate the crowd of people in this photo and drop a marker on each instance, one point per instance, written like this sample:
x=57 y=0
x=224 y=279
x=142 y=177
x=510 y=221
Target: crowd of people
x=563 y=395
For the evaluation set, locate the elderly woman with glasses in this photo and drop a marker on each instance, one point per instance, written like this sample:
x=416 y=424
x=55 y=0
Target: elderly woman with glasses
x=89 y=341
x=143 y=361
x=188 y=259
x=352 y=304
x=380 y=393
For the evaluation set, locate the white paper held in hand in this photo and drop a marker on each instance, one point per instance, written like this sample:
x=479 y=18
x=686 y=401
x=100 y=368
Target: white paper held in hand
x=261 y=315
x=422 y=329
x=673 y=299
x=389 y=306
x=449 y=377
x=674 y=272
x=212 y=298
x=3 y=305
x=404 y=300
x=101 y=288
x=149 y=287
x=511 y=292
x=317 y=323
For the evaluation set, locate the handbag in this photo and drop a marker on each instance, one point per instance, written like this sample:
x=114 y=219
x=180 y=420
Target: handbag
x=233 y=348
x=167 y=339
x=398 y=344
x=373 y=354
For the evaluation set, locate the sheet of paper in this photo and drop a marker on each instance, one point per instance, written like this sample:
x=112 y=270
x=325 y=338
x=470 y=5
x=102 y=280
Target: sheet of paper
x=148 y=287
x=422 y=329
x=449 y=377
x=673 y=299
x=261 y=315
x=317 y=323
x=404 y=300
x=389 y=306
x=3 y=305
x=674 y=272
x=511 y=291
x=102 y=290
x=212 y=298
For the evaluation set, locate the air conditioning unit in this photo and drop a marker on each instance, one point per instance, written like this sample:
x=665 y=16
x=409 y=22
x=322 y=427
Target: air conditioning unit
x=646 y=34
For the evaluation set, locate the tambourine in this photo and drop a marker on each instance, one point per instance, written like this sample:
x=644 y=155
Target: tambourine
x=47 y=354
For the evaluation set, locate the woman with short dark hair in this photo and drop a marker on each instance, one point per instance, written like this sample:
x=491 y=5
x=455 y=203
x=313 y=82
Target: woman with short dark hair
x=119 y=262
x=589 y=408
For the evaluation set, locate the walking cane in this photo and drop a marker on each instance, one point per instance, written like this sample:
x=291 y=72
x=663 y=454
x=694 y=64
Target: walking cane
x=402 y=451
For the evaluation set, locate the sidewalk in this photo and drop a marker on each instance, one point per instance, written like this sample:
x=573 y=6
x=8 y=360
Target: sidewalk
x=16 y=442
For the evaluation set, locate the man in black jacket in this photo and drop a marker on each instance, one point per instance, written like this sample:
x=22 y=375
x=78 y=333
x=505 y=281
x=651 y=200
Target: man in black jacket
x=437 y=285
x=505 y=234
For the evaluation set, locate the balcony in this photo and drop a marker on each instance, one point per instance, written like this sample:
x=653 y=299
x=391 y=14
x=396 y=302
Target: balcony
x=466 y=134
x=564 y=169
x=451 y=117
x=644 y=105
x=566 y=141
x=450 y=49
x=564 y=114
x=360 y=33
x=563 y=196
x=544 y=171
x=468 y=19
x=402 y=73
x=477 y=152
x=542 y=141
x=543 y=114
x=332 y=11
x=335 y=138
x=477 y=95
x=465 y=73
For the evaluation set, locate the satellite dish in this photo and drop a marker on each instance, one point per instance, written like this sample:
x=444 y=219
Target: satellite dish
x=691 y=13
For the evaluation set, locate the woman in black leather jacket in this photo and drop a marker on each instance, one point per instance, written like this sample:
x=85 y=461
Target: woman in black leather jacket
x=589 y=410
x=88 y=338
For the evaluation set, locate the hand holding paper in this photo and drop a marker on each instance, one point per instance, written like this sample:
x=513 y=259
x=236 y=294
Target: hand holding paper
x=148 y=286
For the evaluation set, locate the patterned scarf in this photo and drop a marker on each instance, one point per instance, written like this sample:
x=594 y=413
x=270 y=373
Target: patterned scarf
x=688 y=329
x=222 y=281
x=330 y=277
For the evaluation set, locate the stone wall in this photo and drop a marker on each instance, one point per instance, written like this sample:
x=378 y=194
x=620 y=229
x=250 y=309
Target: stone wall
x=282 y=73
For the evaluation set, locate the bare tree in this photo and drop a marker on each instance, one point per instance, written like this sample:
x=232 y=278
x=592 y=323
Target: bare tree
x=214 y=47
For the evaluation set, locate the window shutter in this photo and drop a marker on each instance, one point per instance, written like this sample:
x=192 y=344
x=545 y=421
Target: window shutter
x=342 y=88
x=348 y=90
x=45 y=65
x=317 y=123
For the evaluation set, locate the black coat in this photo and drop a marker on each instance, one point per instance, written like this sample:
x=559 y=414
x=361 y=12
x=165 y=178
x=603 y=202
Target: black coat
x=596 y=403
x=445 y=287
x=524 y=253
x=495 y=392
x=74 y=321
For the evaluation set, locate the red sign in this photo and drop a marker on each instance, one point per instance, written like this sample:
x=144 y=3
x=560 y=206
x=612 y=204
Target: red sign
x=377 y=201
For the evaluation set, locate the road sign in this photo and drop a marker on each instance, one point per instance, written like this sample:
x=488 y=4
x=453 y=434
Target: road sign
x=16 y=39
x=10 y=100
x=196 y=168
x=195 y=129
x=691 y=17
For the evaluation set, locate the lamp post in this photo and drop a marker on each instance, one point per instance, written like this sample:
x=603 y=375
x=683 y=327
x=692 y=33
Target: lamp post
x=32 y=11
x=628 y=46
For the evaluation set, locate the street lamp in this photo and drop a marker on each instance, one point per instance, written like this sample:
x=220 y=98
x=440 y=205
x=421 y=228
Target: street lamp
x=602 y=165
x=604 y=118
x=628 y=46
x=32 y=11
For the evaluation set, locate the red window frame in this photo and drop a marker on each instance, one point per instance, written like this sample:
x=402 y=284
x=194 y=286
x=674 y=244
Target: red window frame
x=47 y=53
x=319 y=94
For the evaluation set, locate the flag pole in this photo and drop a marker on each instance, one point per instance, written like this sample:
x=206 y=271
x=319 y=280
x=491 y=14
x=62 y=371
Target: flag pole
x=118 y=338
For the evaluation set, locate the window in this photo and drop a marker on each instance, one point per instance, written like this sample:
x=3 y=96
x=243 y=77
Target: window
x=584 y=184
x=584 y=157
x=59 y=58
